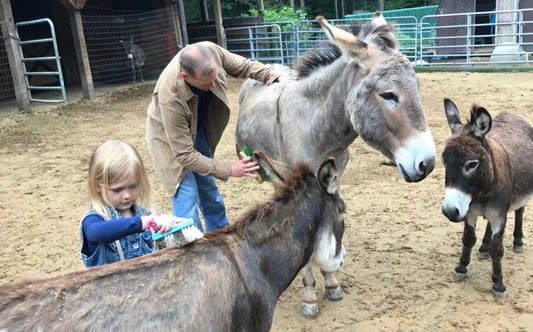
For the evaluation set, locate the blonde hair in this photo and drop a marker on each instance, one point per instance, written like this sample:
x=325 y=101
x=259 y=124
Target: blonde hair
x=108 y=164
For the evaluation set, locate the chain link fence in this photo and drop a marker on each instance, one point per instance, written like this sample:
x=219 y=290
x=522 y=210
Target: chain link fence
x=129 y=48
x=7 y=93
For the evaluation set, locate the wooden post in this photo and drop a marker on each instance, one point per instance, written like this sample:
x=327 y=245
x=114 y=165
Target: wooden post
x=81 y=53
x=76 y=24
x=14 y=57
x=219 y=23
x=506 y=28
x=203 y=10
x=175 y=24
x=260 y=10
x=183 y=22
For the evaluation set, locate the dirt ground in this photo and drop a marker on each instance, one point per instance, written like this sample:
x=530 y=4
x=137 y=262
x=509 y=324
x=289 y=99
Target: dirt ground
x=401 y=250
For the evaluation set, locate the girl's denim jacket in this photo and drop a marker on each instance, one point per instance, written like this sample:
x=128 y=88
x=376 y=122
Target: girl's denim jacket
x=134 y=245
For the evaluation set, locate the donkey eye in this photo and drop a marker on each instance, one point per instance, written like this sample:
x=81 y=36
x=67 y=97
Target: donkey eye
x=389 y=96
x=390 y=99
x=471 y=165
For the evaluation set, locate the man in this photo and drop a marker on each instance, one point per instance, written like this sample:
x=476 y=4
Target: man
x=186 y=118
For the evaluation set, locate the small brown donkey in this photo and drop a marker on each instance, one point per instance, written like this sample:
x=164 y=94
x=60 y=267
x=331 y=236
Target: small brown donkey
x=489 y=171
x=229 y=281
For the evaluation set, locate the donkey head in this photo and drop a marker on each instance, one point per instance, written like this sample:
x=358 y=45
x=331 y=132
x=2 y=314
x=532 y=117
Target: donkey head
x=383 y=102
x=466 y=160
x=328 y=252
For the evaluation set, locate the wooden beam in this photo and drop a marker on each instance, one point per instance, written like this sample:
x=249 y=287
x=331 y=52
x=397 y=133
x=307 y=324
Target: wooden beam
x=73 y=4
x=82 y=55
x=183 y=22
x=174 y=16
x=219 y=23
x=12 y=47
x=203 y=10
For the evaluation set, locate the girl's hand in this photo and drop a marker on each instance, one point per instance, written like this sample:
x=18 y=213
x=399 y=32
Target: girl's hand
x=163 y=222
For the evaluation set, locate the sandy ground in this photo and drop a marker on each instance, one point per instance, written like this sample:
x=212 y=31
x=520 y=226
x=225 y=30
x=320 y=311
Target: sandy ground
x=401 y=250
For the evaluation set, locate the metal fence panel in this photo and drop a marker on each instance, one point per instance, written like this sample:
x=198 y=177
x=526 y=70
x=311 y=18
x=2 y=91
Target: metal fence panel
x=42 y=72
x=464 y=39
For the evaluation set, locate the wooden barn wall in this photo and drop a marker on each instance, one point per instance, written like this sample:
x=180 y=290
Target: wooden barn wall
x=27 y=10
x=451 y=7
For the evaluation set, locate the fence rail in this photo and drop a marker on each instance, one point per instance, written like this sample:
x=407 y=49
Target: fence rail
x=465 y=39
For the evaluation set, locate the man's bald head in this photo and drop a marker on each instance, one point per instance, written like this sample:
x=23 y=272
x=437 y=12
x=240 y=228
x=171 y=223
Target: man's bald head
x=197 y=59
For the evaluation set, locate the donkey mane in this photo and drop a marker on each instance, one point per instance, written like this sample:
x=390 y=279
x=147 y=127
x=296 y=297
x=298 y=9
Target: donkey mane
x=296 y=181
x=327 y=52
x=31 y=287
x=323 y=55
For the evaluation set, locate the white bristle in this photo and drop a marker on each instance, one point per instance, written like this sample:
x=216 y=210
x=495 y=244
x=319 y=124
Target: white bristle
x=191 y=234
x=179 y=238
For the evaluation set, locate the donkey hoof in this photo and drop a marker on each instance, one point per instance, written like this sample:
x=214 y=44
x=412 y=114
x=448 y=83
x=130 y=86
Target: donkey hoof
x=499 y=295
x=458 y=276
x=483 y=254
x=518 y=249
x=309 y=310
x=334 y=294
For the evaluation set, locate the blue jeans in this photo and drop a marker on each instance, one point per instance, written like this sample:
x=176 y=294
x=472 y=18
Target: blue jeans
x=198 y=191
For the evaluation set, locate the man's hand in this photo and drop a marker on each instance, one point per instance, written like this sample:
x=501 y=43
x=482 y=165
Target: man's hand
x=244 y=167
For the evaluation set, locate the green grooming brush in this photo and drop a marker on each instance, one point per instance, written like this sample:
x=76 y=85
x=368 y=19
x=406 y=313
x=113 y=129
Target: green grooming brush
x=261 y=174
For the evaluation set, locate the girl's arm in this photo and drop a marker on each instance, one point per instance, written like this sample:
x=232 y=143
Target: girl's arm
x=99 y=230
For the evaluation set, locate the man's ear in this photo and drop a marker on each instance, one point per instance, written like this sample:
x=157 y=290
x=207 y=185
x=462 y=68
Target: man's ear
x=184 y=75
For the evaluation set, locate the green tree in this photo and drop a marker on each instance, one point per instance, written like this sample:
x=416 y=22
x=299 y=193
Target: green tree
x=280 y=15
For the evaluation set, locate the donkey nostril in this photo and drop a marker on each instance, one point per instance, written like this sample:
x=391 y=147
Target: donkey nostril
x=451 y=213
x=422 y=167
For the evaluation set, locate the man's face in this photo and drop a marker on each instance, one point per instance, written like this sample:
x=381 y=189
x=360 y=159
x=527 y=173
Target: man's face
x=201 y=82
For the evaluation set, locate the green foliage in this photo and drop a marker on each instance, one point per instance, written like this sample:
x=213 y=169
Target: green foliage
x=277 y=10
x=281 y=14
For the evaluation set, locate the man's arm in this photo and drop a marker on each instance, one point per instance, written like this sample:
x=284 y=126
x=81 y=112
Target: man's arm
x=240 y=67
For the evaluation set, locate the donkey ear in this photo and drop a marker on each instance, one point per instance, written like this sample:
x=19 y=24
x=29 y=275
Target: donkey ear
x=277 y=171
x=344 y=40
x=378 y=19
x=481 y=120
x=452 y=114
x=328 y=176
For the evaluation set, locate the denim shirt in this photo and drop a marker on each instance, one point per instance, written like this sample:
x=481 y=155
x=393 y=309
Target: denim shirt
x=133 y=245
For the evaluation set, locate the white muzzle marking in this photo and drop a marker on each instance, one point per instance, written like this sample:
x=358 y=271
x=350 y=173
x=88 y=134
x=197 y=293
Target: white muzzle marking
x=456 y=199
x=417 y=150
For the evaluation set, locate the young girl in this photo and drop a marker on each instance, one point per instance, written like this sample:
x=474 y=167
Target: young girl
x=118 y=225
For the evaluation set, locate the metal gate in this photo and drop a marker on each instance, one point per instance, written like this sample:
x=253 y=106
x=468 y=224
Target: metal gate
x=51 y=78
x=258 y=42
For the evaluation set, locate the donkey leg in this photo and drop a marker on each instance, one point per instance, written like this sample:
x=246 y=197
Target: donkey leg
x=496 y=254
x=333 y=287
x=309 y=301
x=518 y=234
x=469 y=239
x=485 y=245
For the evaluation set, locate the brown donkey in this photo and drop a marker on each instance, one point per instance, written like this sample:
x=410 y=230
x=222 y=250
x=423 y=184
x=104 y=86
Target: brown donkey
x=229 y=281
x=489 y=171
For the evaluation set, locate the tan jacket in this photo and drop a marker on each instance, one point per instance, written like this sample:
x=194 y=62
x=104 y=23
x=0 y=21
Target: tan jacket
x=172 y=118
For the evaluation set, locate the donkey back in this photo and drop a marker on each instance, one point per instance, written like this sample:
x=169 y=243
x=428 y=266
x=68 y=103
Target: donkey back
x=229 y=281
